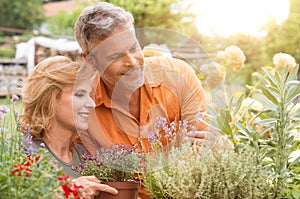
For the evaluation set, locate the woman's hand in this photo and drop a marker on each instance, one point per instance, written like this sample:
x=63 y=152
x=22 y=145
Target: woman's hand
x=92 y=186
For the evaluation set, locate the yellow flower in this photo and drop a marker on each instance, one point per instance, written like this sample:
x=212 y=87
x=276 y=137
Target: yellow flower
x=284 y=60
x=233 y=57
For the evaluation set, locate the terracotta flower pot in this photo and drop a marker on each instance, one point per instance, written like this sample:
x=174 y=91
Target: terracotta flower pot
x=126 y=190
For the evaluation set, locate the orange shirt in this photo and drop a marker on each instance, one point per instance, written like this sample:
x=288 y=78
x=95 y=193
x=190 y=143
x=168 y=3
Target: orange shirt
x=171 y=90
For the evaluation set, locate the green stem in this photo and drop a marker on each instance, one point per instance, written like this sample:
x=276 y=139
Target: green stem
x=281 y=157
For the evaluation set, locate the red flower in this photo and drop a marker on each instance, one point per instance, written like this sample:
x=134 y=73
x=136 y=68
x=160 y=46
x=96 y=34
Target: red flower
x=25 y=166
x=64 y=177
x=69 y=188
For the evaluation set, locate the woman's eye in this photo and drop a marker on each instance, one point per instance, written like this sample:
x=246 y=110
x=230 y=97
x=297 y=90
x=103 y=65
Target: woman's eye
x=78 y=94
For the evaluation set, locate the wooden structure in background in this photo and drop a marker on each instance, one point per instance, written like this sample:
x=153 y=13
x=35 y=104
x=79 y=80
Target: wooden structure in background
x=43 y=52
x=12 y=74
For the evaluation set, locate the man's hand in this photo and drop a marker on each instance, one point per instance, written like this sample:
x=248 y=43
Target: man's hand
x=92 y=186
x=196 y=137
x=208 y=139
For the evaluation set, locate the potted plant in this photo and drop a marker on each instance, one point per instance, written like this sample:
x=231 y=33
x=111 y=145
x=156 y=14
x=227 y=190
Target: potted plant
x=116 y=166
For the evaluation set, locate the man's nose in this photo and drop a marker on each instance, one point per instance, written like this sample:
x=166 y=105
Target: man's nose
x=129 y=59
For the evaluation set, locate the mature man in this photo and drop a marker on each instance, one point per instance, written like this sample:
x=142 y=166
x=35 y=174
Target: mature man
x=132 y=91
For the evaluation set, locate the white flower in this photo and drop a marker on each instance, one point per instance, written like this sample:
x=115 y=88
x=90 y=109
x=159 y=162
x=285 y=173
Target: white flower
x=294 y=155
x=221 y=55
x=295 y=133
x=284 y=60
x=255 y=105
x=293 y=108
x=233 y=57
x=214 y=74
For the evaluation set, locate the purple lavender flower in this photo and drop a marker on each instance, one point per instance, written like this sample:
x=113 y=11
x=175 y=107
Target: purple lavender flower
x=193 y=128
x=28 y=136
x=3 y=129
x=199 y=116
x=19 y=126
x=183 y=124
x=117 y=163
x=16 y=114
x=173 y=126
x=27 y=128
x=43 y=145
x=14 y=98
x=4 y=109
x=1 y=115
x=30 y=150
x=151 y=137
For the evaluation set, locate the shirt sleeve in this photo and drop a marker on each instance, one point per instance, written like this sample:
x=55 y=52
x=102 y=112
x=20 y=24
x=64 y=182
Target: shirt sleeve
x=190 y=92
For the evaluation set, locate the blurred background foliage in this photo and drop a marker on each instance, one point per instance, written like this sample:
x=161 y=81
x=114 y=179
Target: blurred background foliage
x=28 y=15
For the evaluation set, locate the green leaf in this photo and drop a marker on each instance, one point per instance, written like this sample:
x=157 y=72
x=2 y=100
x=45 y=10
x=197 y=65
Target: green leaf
x=292 y=93
x=270 y=152
x=210 y=110
x=270 y=76
x=277 y=77
x=243 y=130
x=238 y=104
x=267 y=122
x=264 y=100
x=211 y=123
x=265 y=130
x=293 y=73
x=223 y=123
x=273 y=97
x=292 y=118
x=261 y=78
x=296 y=193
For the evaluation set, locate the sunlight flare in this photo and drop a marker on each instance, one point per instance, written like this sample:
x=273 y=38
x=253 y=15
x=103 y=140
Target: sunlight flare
x=224 y=18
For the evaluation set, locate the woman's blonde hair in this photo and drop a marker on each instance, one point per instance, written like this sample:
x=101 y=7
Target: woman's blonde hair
x=42 y=89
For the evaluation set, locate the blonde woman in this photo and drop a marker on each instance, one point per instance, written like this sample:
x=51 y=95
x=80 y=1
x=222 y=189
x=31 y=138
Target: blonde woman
x=57 y=102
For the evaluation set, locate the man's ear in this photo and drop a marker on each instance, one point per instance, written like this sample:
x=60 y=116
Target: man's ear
x=90 y=61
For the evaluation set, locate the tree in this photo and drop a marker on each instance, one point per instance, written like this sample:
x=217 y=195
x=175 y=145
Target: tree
x=285 y=38
x=164 y=14
x=152 y=17
x=21 y=14
x=63 y=22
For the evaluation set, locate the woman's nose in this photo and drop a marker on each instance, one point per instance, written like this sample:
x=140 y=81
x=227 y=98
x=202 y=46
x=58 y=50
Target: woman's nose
x=90 y=103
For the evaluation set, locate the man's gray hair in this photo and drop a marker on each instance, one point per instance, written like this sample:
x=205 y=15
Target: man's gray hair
x=97 y=22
